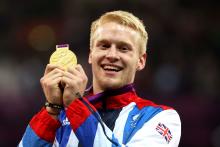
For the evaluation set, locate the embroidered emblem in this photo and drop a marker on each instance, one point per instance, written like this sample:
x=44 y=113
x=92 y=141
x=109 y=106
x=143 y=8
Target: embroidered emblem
x=164 y=131
x=135 y=117
x=65 y=122
x=134 y=120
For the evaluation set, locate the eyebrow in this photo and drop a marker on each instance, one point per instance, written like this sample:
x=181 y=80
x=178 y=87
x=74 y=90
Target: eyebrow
x=103 y=41
x=118 y=42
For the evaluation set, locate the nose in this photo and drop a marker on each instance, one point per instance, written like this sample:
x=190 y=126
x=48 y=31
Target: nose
x=112 y=54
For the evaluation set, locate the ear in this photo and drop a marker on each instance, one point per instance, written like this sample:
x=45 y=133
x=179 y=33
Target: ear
x=90 y=57
x=142 y=62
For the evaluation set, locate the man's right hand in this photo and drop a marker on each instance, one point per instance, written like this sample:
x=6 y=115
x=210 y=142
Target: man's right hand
x=50 y=84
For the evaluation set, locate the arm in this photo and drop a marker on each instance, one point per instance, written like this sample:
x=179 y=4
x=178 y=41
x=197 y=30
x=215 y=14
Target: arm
x=40 y=131
x=163 y=130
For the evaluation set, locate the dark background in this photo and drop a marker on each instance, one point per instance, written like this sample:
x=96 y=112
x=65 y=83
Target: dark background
x=182 y=68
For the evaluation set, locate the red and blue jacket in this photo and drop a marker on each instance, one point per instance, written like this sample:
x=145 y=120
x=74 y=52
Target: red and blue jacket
x=108 y=119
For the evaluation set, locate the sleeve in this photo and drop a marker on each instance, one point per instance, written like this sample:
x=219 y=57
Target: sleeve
x=90 y=132
x=40 y=131
x=163 y=130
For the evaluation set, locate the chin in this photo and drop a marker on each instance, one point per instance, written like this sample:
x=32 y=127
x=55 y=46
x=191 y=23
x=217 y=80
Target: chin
x=108 y=84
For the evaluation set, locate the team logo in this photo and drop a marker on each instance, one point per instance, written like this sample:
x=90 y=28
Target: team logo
x=164 y=131
x=65 y=122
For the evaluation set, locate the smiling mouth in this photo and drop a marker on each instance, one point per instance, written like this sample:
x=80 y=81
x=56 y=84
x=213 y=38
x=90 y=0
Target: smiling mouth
x=113 y=68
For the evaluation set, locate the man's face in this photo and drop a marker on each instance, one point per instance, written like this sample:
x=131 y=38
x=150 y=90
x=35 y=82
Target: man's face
x=115 y=56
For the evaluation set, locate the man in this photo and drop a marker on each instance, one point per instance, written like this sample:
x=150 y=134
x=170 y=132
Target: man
x=111 y=114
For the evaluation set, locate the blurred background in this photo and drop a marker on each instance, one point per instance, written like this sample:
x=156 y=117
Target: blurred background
x=182 y=68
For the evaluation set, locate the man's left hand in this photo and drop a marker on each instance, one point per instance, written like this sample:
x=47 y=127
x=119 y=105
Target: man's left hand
x=74 y=81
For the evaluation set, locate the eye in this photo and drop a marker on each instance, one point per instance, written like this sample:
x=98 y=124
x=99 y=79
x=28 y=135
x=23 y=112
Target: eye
x=124 y=48
x=105 y=46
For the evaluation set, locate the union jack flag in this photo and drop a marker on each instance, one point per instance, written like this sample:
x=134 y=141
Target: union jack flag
x=164 y=131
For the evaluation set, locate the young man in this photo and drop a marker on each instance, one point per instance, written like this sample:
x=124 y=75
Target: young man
x=111 y=114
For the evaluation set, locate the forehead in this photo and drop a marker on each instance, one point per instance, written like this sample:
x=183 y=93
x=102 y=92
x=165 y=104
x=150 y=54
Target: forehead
x=116 y=32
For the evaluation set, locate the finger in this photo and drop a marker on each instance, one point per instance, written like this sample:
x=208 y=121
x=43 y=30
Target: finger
x=80 y=69
x=51 y=76
x=51 y=67
x=73 y=71
x=54 y=71
x=55 y=81
x=54 y=76
x=72 y=76
x=70 y=82
x=82 y=72
x=52 y=79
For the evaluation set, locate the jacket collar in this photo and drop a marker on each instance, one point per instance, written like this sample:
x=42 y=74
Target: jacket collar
x=114 y=98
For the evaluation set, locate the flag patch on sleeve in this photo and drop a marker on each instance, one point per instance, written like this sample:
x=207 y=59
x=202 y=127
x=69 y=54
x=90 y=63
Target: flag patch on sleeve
x=164 y=131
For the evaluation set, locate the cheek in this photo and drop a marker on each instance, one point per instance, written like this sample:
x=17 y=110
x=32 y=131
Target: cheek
x=94 y=59
x=131 y=61
x=132 y=66
x=98 y=56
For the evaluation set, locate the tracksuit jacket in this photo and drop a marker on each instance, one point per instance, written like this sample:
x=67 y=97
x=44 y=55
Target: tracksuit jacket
x=108 y=119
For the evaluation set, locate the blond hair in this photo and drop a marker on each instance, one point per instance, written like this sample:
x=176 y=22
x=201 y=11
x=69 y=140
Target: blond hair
x=123 y=18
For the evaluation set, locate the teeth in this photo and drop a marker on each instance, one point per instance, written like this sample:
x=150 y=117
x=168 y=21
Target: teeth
x=113 y=68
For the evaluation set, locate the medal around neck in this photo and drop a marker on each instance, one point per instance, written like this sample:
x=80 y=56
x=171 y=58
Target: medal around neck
x=63 y=56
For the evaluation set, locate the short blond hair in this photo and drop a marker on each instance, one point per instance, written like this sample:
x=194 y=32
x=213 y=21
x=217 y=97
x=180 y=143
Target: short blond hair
x=123 y=18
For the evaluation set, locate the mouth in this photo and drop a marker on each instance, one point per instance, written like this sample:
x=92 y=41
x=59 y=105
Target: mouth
x=111 y=67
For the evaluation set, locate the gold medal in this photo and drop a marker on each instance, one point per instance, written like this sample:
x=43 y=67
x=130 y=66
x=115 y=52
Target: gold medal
x=63 y=57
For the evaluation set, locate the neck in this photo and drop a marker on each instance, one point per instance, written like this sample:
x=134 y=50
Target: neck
x=96 y=89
